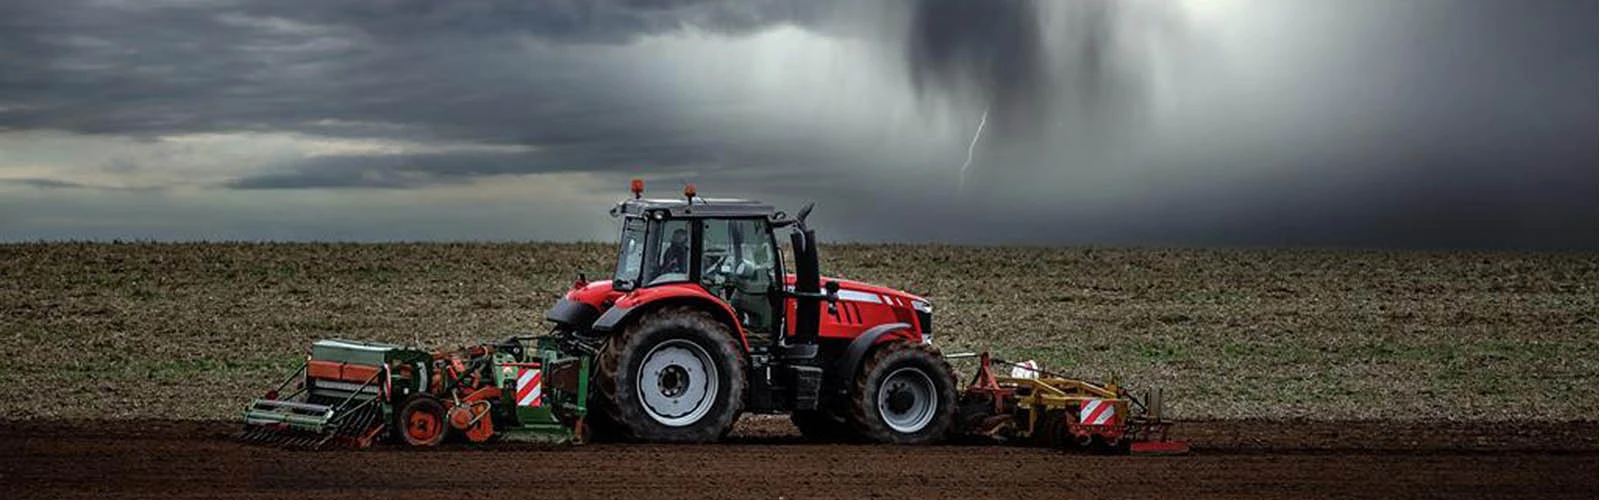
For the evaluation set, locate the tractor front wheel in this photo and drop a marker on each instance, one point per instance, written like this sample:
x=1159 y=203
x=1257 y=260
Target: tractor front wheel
x=675 y=375
x=905 y=394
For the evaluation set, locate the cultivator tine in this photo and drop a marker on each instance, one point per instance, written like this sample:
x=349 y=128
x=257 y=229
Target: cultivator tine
x=285 y=438
x=356 y=429
x=268 y=437
x=255 y=435
x=278 y=439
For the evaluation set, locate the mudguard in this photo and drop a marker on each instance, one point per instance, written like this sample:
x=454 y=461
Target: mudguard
x=856 y=352
x=629 y=307
x=572 y=313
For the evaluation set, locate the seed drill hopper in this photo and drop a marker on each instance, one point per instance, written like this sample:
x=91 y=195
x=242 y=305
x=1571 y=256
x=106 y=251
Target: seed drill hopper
x=354 y=393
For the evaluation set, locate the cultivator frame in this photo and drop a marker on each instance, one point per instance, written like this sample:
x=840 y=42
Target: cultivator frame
x=1050 y=409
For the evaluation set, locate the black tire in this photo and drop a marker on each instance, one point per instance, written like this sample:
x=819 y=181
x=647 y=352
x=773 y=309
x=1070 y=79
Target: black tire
x=421 y=421
x=1052 y=431
x=696 y=332
x=822 y=426
x=891 y=361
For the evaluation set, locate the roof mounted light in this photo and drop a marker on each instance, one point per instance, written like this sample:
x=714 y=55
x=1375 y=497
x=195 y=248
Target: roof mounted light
x=637 y=186
x=688 y=192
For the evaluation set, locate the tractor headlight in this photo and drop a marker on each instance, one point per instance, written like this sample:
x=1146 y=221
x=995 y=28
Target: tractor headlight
x=924 y=319
x=922 y=306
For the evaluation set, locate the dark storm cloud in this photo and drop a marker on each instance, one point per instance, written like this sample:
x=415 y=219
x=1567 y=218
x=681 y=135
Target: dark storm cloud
x=405 y=70
x=150 y=68
x=1047 y=79
x=738 y=161
x=604 y=21
x=990 y=49
x=994 y=55
x=415 y=70
x=1463 y=123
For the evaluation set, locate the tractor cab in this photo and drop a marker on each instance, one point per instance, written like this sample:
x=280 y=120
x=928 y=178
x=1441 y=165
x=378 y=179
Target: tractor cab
x=725 y=247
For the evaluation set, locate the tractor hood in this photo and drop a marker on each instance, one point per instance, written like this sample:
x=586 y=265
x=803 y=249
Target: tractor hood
x=600 y=295
x=865 y=292
x=585 y=302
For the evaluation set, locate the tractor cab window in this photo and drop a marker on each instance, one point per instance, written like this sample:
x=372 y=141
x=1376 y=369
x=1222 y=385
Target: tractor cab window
x=669 y=258
x=630 y=261
x=739 y=264
x=653 y=254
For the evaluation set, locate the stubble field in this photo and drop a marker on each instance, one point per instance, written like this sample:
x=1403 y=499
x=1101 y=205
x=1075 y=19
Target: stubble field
x=1293 y=373
x=191 y=331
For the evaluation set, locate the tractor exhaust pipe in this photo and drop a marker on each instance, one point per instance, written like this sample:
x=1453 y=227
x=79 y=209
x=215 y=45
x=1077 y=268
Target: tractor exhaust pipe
x=807 y=290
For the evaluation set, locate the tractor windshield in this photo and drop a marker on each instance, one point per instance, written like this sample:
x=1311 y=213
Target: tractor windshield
x=631 y=259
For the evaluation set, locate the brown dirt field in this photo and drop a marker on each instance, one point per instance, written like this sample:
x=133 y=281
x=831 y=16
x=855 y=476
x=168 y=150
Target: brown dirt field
x=1232 y=459
x=136 y=330
x=1299 y=373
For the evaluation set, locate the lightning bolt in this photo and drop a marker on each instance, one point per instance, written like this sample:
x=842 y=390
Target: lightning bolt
x=961 y=186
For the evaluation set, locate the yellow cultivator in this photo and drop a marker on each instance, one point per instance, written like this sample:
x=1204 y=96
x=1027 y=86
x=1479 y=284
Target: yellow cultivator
x=1037 y=406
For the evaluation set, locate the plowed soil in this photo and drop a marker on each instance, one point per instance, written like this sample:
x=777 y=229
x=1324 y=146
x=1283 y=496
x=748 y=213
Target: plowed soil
x=138 y=330
x=1232 y=459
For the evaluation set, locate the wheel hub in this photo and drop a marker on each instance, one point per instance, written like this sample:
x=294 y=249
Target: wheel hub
x=674 y=381
x=900 y=399
x=678 y=383
x=907 y=400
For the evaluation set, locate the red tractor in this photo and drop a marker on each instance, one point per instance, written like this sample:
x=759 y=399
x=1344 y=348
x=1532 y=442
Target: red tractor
x=703 y=321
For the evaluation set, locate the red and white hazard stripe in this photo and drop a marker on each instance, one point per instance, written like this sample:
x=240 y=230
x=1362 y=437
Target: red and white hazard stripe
x=1097 y=412
x=529 y=385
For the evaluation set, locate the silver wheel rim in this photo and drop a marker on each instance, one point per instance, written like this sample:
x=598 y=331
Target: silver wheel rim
x=907 y=400
x=677 y=383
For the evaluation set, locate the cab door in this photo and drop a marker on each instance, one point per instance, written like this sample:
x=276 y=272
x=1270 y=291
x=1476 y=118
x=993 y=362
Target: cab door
x=739 y=263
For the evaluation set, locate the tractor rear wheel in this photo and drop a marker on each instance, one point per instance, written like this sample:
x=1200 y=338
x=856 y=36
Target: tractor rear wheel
x=674 y=375
x=905 y=394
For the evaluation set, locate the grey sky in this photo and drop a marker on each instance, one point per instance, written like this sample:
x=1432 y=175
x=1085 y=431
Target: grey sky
x=1424 y=123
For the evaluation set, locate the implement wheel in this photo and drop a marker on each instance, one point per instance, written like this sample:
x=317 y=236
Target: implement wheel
x=675 y=375
x=421 y=421
x=1052 y=431
x=905 y=394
